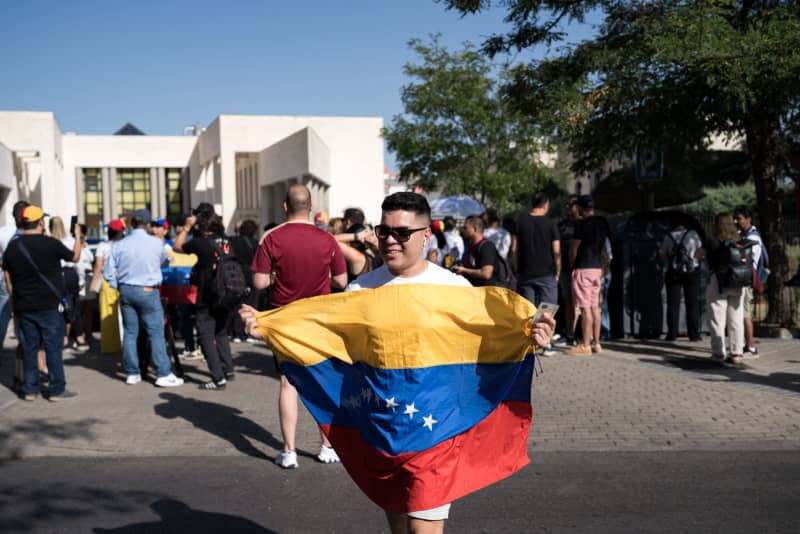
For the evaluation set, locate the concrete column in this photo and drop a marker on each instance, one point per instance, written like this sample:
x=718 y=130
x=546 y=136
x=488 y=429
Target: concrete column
x=108 y=212
x=112 y=191
x=79 y=185
x=162 y=192
x=154 y=192
x=186 y=189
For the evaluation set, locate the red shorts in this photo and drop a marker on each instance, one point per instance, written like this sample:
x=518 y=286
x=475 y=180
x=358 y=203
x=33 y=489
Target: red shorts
x=586 y=285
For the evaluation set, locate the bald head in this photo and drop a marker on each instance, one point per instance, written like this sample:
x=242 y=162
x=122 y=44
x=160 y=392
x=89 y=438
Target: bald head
x=298 y=200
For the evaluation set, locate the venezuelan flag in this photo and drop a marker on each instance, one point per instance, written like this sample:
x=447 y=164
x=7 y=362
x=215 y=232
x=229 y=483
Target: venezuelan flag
x=423 y=390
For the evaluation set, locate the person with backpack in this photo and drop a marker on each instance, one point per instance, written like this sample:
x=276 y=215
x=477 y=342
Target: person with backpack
x=483 y=265
x=681 y=251
x=213 y=306
x=730 y=261
x=743 y=217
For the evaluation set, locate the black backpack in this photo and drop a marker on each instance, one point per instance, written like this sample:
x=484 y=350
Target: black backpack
x=735 y=264
x=502 y=277
x=228 y=285
x=680 y=261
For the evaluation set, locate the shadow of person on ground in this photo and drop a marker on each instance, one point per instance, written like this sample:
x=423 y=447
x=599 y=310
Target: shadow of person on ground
x=177 y=517
x=255 y=363
x=14 y=436
x=223 y=421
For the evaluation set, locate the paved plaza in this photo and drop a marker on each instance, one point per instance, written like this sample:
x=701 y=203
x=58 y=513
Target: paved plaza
x=645 y=437
x=632 y=397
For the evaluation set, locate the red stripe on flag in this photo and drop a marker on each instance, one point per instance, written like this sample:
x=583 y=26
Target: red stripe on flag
x=492 y=450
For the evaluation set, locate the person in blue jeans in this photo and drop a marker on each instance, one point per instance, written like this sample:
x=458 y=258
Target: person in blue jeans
x=134 y=269
x=35 y=283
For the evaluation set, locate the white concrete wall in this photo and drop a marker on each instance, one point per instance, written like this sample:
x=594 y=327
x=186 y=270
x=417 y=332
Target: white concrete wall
x=38 y=131
x=8 y=183
x=356 y=155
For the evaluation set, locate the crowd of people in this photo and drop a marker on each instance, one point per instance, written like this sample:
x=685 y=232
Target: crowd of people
x=55 y=285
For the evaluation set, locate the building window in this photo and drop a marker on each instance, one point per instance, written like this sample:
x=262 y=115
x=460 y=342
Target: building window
x=174 y=195
x=133 y=190
x=93 y=201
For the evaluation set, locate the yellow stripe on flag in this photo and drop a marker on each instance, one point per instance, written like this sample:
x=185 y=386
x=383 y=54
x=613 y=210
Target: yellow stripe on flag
x=402 y=326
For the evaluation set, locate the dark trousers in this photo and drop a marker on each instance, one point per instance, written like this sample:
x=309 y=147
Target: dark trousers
x=213 y=338
x=186 y=325
x=689 y=284
x=47 y=328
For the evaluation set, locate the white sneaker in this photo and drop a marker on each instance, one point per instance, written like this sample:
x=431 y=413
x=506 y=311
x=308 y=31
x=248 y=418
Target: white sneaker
x=169 y=381
x=327 y=455
x=133 y=379
x=236 y=340
x=191 y=354
x=287 y=459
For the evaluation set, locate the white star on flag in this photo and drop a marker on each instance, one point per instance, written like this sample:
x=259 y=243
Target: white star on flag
x=429 y=422
x=410 y=410
x=391 y=403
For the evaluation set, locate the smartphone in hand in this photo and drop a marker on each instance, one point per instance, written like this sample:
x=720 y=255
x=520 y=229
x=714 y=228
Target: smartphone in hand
x=545 y=308
x=73 y=221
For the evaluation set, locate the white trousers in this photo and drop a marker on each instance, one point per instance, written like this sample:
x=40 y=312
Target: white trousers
x=726 y=310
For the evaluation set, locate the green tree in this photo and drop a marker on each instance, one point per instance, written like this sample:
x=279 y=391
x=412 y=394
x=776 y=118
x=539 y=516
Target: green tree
x=667 y=72
x=457 y=135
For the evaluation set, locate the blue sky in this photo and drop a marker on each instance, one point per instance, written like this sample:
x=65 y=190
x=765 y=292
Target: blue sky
x=167 y=64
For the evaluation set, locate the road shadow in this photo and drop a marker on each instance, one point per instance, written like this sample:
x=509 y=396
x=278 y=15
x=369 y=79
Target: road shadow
x=220 y=420
x=255 y=363
x=14 y=436
x=784 y=381
x=177 y=517
x=659 y=348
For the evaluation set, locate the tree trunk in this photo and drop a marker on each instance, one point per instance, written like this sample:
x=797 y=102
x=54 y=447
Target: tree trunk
x=764 y=150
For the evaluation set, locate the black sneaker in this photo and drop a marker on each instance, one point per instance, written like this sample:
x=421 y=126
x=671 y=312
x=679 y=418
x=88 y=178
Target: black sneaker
x=230 y=377
x=212 y=385
x=62 y=396
x=750 y=353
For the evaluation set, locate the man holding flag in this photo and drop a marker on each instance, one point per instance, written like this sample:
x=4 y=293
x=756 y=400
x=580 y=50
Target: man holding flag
x=422 y=384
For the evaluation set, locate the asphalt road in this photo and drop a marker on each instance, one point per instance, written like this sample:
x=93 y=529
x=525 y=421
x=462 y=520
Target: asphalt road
x=671 y=491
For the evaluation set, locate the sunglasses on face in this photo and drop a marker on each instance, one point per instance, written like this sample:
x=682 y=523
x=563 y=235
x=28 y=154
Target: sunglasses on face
x=401 y=234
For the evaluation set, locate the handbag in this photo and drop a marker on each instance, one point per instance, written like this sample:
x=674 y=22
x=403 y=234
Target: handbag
x=64 y=304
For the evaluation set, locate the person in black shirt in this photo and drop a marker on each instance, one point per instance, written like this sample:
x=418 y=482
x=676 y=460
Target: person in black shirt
x=538 y=258
x=480 y=261
x=211 y=322
x=32 y=262
x=585 y=250
x=243 y=247
x=566 y=228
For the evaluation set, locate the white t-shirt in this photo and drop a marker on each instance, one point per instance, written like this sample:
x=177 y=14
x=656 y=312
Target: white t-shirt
x=691 y=243
x=103 y=248
x=433 y=274
x=501 y=239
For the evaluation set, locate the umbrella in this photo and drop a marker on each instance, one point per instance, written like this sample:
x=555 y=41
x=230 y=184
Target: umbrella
x=459 y=207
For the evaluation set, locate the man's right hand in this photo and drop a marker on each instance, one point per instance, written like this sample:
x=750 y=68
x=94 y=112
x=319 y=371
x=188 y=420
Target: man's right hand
x=248 y=316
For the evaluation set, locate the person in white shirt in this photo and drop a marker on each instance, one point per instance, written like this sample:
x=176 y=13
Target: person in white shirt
x=497 y=234
x=403 y=235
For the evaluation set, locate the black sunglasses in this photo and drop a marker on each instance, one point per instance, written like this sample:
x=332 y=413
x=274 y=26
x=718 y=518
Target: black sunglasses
x=401 y=234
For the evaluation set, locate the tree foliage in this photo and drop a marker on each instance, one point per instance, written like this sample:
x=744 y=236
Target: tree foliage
x=666 y=72
x=458 y=135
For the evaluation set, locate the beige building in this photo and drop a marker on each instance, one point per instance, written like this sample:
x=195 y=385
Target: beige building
x=242 y=164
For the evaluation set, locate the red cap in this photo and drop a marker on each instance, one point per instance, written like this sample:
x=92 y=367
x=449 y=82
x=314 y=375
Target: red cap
x=118 y=225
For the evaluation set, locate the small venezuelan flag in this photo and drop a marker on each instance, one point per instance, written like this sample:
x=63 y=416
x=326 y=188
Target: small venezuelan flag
x=423 y=390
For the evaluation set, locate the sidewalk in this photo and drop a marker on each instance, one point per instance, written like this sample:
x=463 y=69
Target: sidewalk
x=635 y=396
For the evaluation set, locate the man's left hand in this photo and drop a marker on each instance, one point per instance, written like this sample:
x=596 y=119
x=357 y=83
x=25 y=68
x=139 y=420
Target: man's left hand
x=542 y=331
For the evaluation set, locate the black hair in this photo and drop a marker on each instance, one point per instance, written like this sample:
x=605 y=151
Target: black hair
x=354 y=215
x=476 y=221
x=269 y=226
x=743 y=210
x=29 y=225
x=204 y=209
x=248 y=228
x=510 y=224
x=492 y=216
x=19 y=205
x=407 y=201
x=449 y=223
x=112 y=234
x=539 y=199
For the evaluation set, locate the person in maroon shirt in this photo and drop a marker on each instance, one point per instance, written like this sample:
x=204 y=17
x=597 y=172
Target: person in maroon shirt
x=298 y=260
